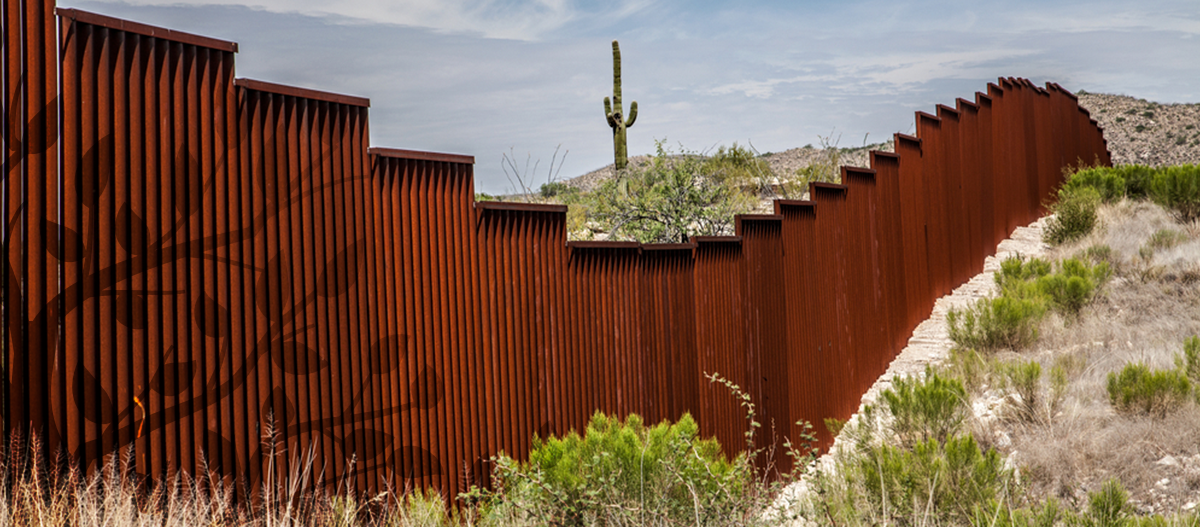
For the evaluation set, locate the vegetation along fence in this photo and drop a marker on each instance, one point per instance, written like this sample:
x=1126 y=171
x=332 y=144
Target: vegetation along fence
x=188 y=255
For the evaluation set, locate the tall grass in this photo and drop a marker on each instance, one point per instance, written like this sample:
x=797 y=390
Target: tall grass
x=37 y=492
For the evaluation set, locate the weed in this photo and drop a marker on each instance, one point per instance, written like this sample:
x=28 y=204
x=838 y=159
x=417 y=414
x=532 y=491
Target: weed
x=1100 y=253
x=1073 y=286
x=1107 y=182
x=1189 y=362
x=997 y=323
x=1120 y=119
x=1023 y=378
x=1165 y=239
x=1109 y=507
x=931 y=483
x=1178 y=188
x=522 y=179
x=1074 y=215
x=929 y=409
x=1148 y=115
x=834 y=426
x=1140 y=128
x=826 y=169
x=969 y=367
x=1139 y=390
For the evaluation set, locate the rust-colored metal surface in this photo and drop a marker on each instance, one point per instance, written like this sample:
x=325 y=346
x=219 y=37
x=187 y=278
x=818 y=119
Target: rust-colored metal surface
x=225 y=271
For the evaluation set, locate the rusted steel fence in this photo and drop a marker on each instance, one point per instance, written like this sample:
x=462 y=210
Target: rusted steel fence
x=223 y=273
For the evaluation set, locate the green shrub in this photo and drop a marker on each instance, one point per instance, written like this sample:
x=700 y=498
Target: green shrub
x=1015 y=270
x=997 y=323
x=1066 y=286
x=1100 y=253
x=1105 y=181
x=555 y=189
x=944 y=484
x=1023 y=379
x=1109 y=507
x=968 y=366
x=1189 y=362
x=1137 y=180
x=1178 y=188
x=739 y=167
x=1074 y=285
x=1139 y=390
x=1165 y=239
x=926 y=409
x=1074 y=215
x=666 y=471
x=674 y=197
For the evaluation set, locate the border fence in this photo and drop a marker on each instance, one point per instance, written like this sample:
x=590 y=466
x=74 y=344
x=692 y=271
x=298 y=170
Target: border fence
x=209 y=270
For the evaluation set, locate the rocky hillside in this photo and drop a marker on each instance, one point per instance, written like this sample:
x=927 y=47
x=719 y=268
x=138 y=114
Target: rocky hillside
x=1138 y=132
x=1144 y=132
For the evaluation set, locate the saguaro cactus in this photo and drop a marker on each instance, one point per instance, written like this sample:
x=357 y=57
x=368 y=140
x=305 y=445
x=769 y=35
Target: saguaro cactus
x=612 y=110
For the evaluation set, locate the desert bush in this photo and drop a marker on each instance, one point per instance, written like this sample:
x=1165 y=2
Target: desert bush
x=825 y=169
x=1165 y=239
x=1108 y=507
x=1074 y=215
x=930 y=484
x=665 y=472
x=928 y=409
x=1137 y=180
x=1066 y=286
x=740 y=167
x=1023 y=379
x=1178 y=188
x=1028 y=289
x=1189 y=361
x=969 y=367
x=1073 y=285
x=1139 y=390
x=996 y=323
x=555 y=189
x=1107 y=182
x=674 y=197
x=1101 y=253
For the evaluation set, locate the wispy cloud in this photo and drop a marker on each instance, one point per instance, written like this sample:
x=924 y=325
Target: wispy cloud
x=513 y=20
x=482 y=77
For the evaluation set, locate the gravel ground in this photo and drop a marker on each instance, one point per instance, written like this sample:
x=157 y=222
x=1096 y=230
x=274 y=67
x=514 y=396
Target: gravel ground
x=1164 y=137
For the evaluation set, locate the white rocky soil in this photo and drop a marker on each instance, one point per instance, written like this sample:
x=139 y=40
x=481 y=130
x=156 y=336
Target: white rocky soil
x=930 y=343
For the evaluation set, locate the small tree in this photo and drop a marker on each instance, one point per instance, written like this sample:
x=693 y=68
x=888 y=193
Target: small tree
x=675 y=197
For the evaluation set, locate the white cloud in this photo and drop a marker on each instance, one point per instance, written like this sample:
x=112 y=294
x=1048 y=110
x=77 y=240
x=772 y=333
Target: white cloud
x=520 y=20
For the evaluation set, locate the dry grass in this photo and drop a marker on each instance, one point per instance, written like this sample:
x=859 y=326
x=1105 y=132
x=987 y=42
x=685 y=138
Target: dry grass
x=1144 y=314
x=35 y=493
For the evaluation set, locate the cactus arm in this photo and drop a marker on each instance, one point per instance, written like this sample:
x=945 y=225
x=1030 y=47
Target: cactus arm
x=608 y=113
x=632 y=114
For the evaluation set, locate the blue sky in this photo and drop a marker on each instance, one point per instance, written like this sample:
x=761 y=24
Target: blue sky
x=486 y=77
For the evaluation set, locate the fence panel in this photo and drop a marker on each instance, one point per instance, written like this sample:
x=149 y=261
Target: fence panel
x=228 y=262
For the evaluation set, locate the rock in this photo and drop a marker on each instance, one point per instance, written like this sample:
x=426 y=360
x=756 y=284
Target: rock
x=1189 y=505
x=1167 y=461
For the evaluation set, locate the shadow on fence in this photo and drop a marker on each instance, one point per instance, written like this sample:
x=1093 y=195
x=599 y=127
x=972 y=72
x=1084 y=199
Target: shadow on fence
x=213 y=253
